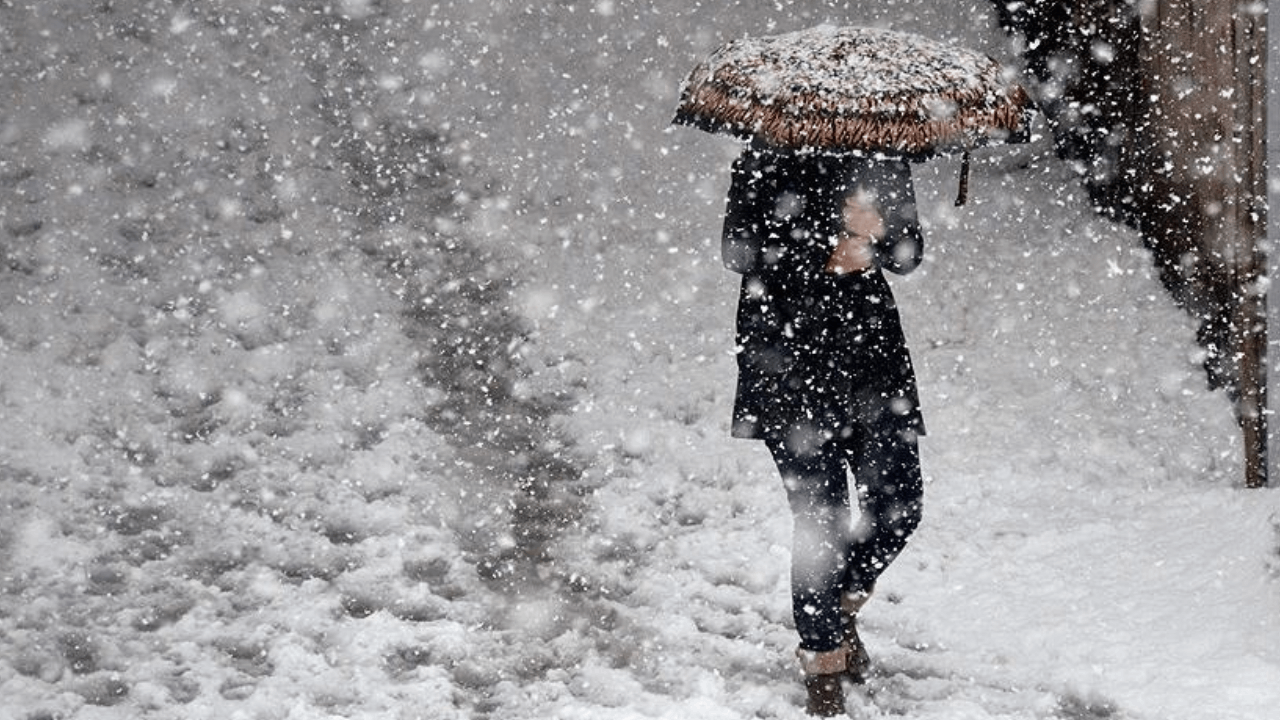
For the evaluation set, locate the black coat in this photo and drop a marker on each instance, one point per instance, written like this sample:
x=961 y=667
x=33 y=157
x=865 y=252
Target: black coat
x=817 y=352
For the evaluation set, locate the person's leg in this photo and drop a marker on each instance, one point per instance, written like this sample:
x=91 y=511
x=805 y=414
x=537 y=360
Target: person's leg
x=817 y=486
x=886 y=464
x=887 y=472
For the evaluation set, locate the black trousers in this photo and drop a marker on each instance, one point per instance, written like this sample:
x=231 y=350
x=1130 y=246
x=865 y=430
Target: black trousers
x=834 y=550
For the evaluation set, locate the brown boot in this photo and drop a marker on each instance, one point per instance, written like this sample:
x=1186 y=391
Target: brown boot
x=859 y=662
x=822 y=673
x=826 y=695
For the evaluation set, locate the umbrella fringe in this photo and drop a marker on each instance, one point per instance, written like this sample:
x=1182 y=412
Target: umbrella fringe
x=717 y=109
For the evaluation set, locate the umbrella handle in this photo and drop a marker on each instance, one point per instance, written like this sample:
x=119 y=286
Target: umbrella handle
x=962 y=194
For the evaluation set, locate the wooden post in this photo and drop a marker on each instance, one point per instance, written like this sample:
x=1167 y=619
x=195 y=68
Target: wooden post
x=1205 y=61
x=1250 y=260
x=1165 y=103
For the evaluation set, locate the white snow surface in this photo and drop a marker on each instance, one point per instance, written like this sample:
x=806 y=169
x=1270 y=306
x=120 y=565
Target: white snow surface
x=222 y=498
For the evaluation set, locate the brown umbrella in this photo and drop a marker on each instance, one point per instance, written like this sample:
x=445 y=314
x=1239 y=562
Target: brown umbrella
x=855 y=90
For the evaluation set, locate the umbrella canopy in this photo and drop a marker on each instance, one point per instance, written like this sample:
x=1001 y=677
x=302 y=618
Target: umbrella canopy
x=855 y=89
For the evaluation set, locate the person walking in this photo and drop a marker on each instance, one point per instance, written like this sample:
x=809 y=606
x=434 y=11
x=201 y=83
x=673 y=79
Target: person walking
x=825 y=379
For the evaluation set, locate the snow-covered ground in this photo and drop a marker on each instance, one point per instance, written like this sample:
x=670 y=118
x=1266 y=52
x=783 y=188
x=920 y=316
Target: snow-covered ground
x=273 y=397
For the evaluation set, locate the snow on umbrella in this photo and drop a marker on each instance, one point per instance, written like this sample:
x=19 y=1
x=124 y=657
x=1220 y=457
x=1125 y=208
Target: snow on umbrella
x=855 y=90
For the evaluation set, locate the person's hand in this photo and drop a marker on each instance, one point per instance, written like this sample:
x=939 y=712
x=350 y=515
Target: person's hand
x=862 y=224
x=852 y=253
x=861 y=216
